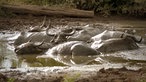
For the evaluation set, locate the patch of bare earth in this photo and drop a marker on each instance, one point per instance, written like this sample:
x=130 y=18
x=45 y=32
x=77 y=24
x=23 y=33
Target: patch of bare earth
x=108 y=75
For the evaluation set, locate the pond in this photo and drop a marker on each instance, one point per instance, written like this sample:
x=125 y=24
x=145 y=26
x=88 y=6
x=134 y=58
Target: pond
x=9 y=59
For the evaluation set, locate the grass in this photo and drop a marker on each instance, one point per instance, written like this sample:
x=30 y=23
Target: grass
x=73 y=78
x=11 y=80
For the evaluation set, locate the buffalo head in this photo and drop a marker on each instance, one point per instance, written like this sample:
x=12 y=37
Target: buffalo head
x=115 y=44
x=21 y=39
x=32 y=48
x=136 y=38
x=60 y=36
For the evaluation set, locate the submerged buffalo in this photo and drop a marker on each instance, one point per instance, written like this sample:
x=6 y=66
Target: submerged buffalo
x=115 y=44
x=72 y=48
x=39 y=36
x=85 y=34
x=80 y=36
x=136 y=38
x=61 y=36
x=107 y=35
x=34 y=37
x=115 y=34
x=32 y=47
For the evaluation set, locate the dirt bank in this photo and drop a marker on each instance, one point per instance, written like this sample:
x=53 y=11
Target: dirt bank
x=65 y=74
x=22 y=22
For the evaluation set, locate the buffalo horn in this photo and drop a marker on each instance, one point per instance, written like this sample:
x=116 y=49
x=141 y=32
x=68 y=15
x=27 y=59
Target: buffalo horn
x=43 y=22
x=37 y=45
x=138 y=41
x=47 y=30
x=69 y=34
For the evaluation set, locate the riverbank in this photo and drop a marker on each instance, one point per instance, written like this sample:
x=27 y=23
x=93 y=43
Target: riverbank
x=73 y=74
x=20 y=22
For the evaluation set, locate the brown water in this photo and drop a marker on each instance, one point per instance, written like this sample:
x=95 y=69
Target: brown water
x=9 y=59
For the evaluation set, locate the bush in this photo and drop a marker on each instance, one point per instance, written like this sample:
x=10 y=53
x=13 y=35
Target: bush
x=108 y=7
x=40 y=2
x=102 y=7
x=2 y=13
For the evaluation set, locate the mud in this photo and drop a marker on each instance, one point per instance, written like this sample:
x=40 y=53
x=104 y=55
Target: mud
x=65 y=74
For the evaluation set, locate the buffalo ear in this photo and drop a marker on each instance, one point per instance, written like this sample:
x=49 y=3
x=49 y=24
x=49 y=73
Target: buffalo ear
x=122 y=35
x=71 y=33
x=113 y=29
x=130 y=31
x=22 y=33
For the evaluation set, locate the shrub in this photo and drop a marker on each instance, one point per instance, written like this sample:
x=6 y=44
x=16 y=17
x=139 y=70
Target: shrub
x=108 y=7
x=40 y=2
x=102 y=7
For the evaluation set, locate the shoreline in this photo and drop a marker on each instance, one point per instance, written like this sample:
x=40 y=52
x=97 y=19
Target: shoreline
x=25 y=21
x=60 y=74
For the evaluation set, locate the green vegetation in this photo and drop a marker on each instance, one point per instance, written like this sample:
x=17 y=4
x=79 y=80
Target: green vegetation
x=11 y=79
x=72 y=78
x=109 y=7
x=55 y=3
x=2 y=13
x=100 y=7
x=40 y=2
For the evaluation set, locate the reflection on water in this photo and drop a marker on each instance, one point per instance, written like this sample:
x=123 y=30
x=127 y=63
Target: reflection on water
x=9 y=59
x=6 y=63
x=76 y=60
x=32 y=61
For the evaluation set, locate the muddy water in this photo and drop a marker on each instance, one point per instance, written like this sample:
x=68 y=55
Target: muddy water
x=9 y=59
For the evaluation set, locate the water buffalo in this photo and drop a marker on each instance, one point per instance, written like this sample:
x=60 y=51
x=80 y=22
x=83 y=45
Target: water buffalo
x=72 y=48
x=34 y=37
x=82 y=35
x=111 y=34
x=130 y=31
x=107 y=35
x=61 y=36
x=37 y=28
x=32 y=47
x=85 y=34
x=39 y=36
x=136 y=38
x=115 y=44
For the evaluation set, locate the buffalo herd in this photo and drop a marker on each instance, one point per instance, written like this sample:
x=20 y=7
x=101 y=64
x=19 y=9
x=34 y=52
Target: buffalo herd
x=88 y=40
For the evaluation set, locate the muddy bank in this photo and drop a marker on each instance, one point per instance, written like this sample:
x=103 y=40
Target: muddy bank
x=71 y=74
x=21 y=22
x=25 y=21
